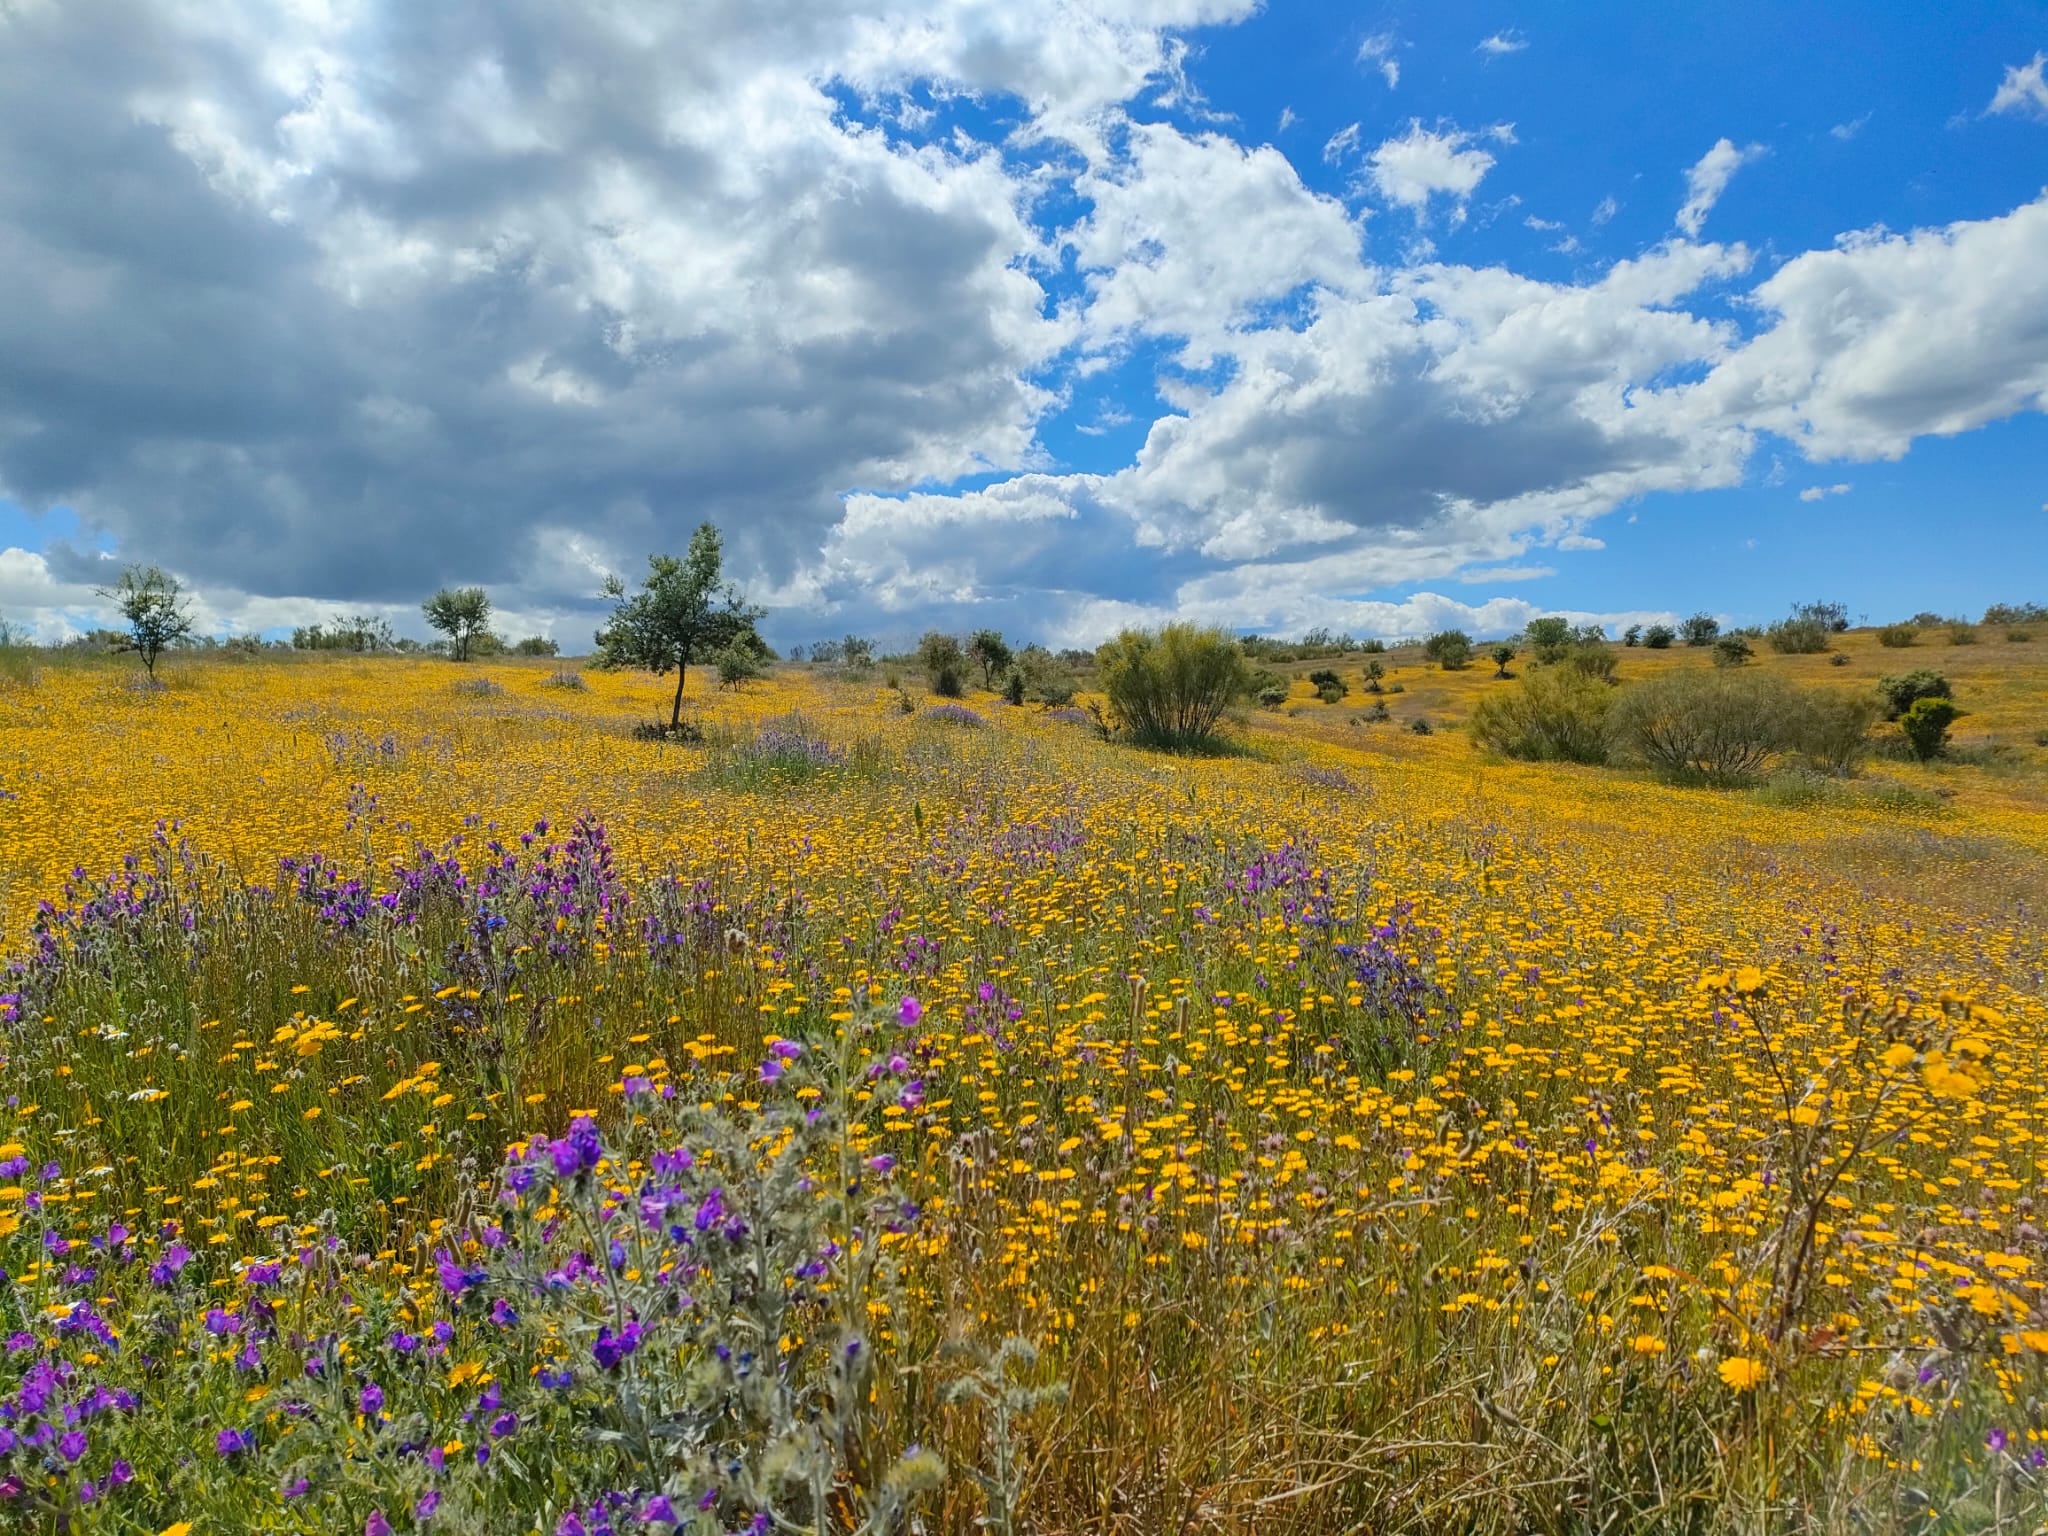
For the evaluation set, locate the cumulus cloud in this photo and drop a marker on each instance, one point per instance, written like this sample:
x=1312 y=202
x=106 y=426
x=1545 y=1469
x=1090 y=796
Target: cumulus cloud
x=1847 y=131
x=328 y=305
x=1822 y=492
x=1708 y=179
x=1426 y=163
x=2023 y=91
x=1501 y=43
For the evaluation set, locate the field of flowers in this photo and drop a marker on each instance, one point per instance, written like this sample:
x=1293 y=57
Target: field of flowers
x=429 y=1107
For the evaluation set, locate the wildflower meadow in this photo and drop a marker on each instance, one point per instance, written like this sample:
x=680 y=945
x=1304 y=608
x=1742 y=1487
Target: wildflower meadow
x=442 y=1107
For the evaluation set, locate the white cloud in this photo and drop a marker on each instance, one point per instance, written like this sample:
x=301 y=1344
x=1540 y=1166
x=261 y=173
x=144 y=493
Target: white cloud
x=1608 y=209
x=2023 y=91
x=1378 y=50
x=1501 y=43
x=1708 y=179
x=1849 y=130
x=1426 y=163
x=1890 y=337
x=1341 y=145
x=1820 y=492
x=1165 y=251
x=1287 y=120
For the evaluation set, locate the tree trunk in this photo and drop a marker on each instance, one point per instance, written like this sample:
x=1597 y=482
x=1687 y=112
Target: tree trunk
x=675 y=715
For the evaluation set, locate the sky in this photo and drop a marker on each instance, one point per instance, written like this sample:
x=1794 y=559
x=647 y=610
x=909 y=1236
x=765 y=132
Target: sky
x=1055 y=316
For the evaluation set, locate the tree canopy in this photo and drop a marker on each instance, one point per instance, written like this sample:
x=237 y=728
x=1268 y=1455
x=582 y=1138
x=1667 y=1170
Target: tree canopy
x=460 y=613
x=685 y=611
x=153 y=603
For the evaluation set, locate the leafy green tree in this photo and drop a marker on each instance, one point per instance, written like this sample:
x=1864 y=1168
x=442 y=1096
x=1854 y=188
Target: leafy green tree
x=685 y=611
x=1732 y=651
x=153 y=604
x=1375 y=670
x=1450 y=649
x=460 y=613
x=1632 y=636
x=1901 y=691
x=1170 y=687
x=1701 y=629
x=1926 y=726
x=944 y=663
x=537 y=645
x=1658 y=637
x=1548 y=636
x=1502 y=654
x=987 y=650
x=1557 y=715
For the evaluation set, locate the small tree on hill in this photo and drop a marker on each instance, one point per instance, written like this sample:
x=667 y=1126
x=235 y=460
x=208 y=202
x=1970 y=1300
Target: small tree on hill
x=1450 y=649
x=460 y=613
x=988 y=652
x=1700 y=629
x=1926 y=726
x=944 y=662
x=685 y=611
x=1658 y=637
x=1502 y=654
x=1901 y=691
x=153 y=603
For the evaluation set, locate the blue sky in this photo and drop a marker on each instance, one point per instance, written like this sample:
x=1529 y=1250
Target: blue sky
x=1057 y=317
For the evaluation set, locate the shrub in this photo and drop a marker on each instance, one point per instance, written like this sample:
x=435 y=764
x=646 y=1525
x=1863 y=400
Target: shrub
x=1899 y=693
x=2018 y=636
x=1556 y=715
x=1838 y=660
x=1834 y=729
x=479 y=688
x=954 y=714
x=1833 y=618
x=1800 y=635
x=1501 y=655
x=536 y=645
x=1548 y=636
x=1632 y=636
x=1169 y=688
x=567 y=681
x=2015 y=613
x=1450 y=649
x=1720 y=727
x=1701 y=629
x=1896 y=637
x=1732 y=651
x=1013 y=687
x=736 y=664
x=1372 y=647
x=1926 y=724
x=1272 y=698
x=1593 y=659
x=1374 y=671
x=1961 y=634
x=1419 y=726
x=1328 y=685
x=1658 y=637
x=944 y=663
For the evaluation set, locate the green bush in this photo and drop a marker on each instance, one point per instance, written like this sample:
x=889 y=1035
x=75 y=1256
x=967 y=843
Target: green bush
x=1732 y=651
x=1899 y=693
x=1961 y=634
x=1593 y=659
x=1557 y=715
x=1701 y=629
x=1632 y=636
x=1658 y=637
x=2018 y=636
x=1721 y=727
x=1328 y=685
x=1548 y=637
x=944 y=663
x=1799 y=636
x=1501 y=655
x=1169 y=688
x=1374 y=671
x=1834 y=729
x=1926 y=725
x=1372 y=647
x=1896 y=637
x=1450 y=649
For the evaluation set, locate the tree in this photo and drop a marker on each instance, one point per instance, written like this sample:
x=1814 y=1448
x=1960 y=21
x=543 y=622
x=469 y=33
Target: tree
x=988 y=651
x=1502 y=654
x=1374 y=671
x=153 y=603
x=1450 y=649
x=1732 y=651
x=537 y=645
x=1902 y=691
x=1557 y=715
x=1632 y=636
x=460 y=613
x=1547 y=637
x=685 y=611
x=944 y=663
x=1700 y=629
x=1170 y=687
x=1658 y=637
x=856 y=652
